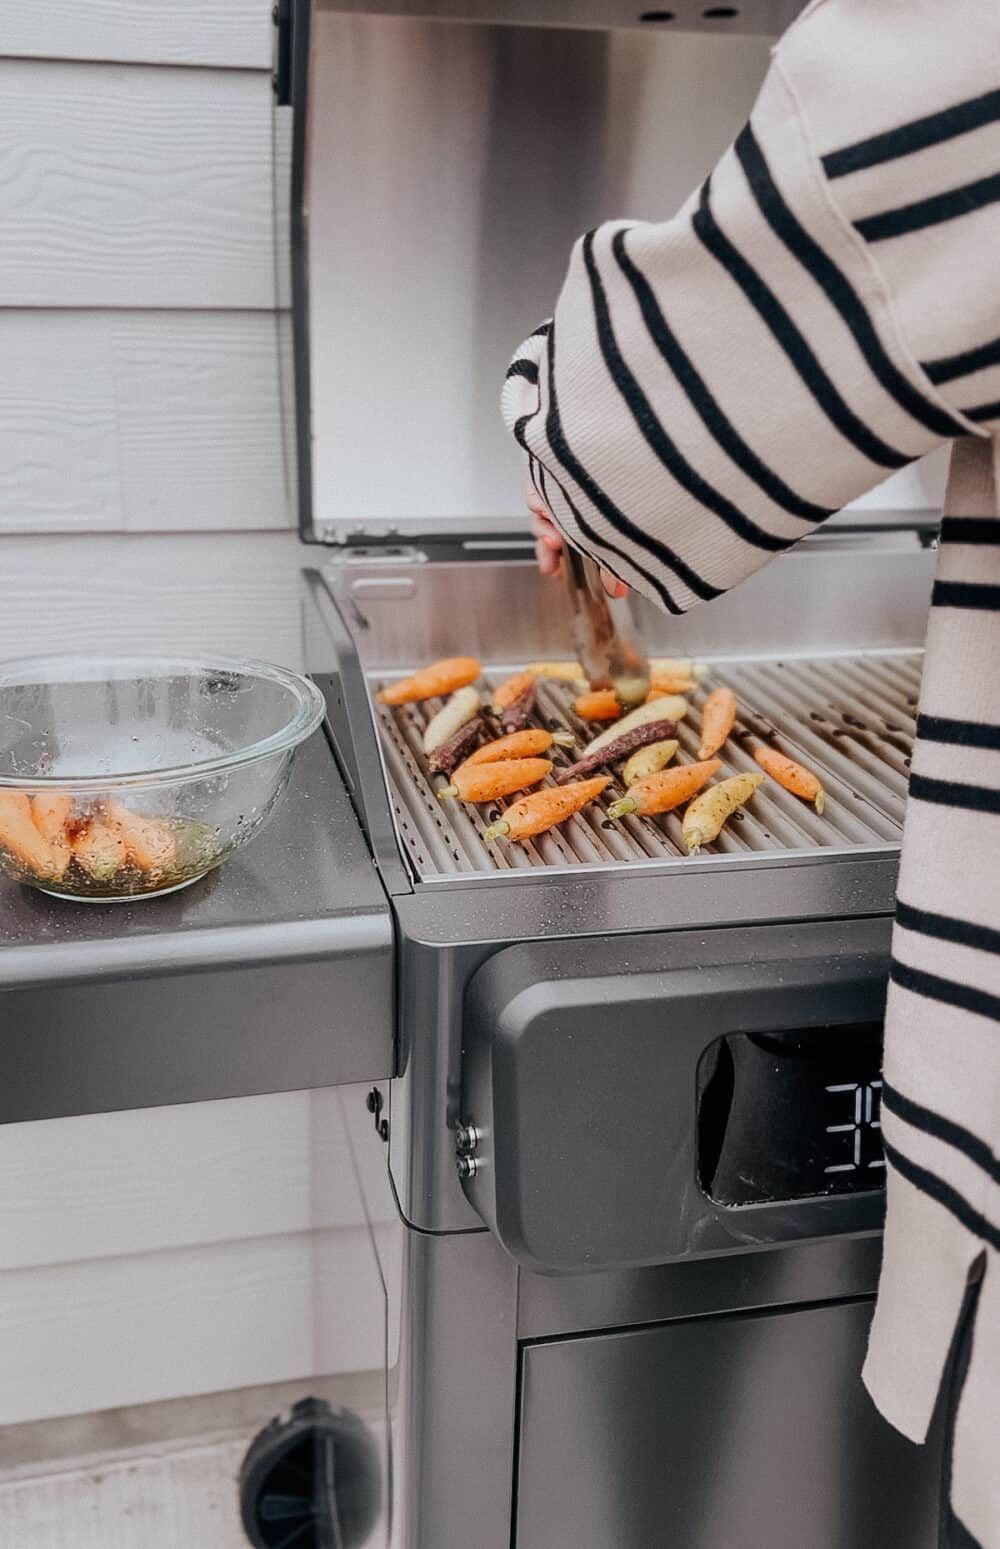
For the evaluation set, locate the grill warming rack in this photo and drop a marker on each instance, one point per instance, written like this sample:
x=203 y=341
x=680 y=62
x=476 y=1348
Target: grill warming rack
x=851 y=719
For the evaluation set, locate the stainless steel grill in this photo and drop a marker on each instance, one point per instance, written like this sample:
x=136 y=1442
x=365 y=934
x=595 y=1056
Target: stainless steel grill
x=850 y=718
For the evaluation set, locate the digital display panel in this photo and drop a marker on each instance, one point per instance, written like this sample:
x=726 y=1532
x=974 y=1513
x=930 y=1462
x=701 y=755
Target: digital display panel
x=791 y=1115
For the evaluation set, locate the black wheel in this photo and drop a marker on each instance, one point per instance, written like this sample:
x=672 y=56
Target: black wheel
x=310 y=1480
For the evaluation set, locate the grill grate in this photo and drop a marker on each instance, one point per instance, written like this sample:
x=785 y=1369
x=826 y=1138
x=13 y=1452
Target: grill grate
x=851 y=719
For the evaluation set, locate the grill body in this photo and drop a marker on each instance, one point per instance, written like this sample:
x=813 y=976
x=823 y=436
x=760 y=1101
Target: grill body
x=555 y=1008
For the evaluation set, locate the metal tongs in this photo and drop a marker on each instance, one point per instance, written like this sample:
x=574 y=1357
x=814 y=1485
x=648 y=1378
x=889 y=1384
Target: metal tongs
x=608 y=650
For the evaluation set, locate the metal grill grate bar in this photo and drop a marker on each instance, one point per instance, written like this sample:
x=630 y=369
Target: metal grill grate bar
x=850 y=719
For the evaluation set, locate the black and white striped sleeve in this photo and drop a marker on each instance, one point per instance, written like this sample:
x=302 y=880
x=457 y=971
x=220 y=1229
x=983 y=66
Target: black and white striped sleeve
x=711 y=388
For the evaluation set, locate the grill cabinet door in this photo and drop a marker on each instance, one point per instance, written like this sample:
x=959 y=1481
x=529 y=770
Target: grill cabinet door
x=749 y=1432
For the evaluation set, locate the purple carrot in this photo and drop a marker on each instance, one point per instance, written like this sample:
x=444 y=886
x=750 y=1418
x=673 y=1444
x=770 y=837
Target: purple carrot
x=451 y=753
x=614 y=752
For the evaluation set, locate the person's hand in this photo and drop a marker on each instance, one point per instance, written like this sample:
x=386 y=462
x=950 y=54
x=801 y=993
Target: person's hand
x=549 y=543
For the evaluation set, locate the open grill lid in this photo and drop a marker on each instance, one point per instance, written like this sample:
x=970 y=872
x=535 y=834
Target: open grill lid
x=440 y=173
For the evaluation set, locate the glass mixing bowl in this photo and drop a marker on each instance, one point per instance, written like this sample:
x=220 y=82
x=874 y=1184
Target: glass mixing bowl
x=129 y=777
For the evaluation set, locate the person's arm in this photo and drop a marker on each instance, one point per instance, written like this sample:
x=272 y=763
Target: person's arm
x=821 y=312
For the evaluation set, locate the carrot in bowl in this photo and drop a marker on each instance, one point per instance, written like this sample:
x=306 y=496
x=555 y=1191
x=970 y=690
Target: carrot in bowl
x=433 y=682
x=148 y=843
x=717 y=718
x=487 y=782
x=51 y=813
x=790 y=775
x=100 y=850
x=531 y=743
x=542 y=810
x=664 y=791
x=20 y=837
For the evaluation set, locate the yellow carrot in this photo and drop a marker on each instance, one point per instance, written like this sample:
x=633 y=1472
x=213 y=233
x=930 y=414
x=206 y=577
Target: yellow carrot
x=561 y=672
x=666 y=790
x=148 y=843
x=433 y=682
x=530 y=743
x=649 y=760
x=790 y=775
x=542 y=810
x=600 y=704
x=511 y=689
x=676 y=666
x=717 y=718
x=21 y=839
x=100 y=850
x=487 y=782
x=669 y=683
x=51 y=812
x=704 y=818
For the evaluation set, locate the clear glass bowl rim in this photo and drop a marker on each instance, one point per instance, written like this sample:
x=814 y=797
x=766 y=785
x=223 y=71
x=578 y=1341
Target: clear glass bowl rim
x=310 y=708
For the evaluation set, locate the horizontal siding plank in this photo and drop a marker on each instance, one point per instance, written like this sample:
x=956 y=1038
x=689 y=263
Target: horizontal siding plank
x=202 y=1320
x=232 y=592
x=135 y=187
x=195 y=32
x=141 y=421
x=106 y=1185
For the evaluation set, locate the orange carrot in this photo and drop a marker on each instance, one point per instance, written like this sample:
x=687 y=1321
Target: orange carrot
x=790 y=775
x=486 y=782
x=149 y=844
x=601 y=704
x=669 y=683
x=542 y=810
x=51 y=812
x=100 y=850
x=519 y=744
x=717 y=719
x=666 y=790
x=511 y=689
x=21 y=839
x=433 y=682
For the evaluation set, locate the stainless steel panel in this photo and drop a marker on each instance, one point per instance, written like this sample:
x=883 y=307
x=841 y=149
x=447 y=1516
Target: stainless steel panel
x=744 y=17
x=752 y=1432
x=449 y=170
x=273 y=974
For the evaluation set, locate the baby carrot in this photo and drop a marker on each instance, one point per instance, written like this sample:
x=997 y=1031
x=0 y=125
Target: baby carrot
x=717 y=719
x=649 y=760
x=486 y=782
x=561 y=672
x=669 y=683
x=790 y=775
x=150 y=844
x=51 y=812
x=666 y=790
x=100 y=850
x=704 y=818
x=600 y=704
x=433 y=682
x=520 y=744
x=21 y=839
x=675 y=667
x=542 y=810
x=510 y=689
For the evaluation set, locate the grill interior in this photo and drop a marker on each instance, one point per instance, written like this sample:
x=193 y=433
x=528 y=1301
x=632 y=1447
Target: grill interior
x=850 y=718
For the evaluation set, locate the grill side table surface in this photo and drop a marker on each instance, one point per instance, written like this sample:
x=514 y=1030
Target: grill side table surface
x=273 y=974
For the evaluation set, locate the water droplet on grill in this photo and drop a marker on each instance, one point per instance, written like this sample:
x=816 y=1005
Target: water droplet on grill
x=608 y=823
x=493 y=816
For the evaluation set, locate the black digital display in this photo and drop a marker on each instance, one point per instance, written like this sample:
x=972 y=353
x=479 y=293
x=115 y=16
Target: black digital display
x=791 y=1115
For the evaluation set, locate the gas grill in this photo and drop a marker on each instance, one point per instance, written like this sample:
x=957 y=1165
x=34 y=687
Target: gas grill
x=631 y=1143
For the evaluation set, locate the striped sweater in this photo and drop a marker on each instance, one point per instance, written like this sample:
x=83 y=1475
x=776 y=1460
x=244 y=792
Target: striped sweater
x=825 y=309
